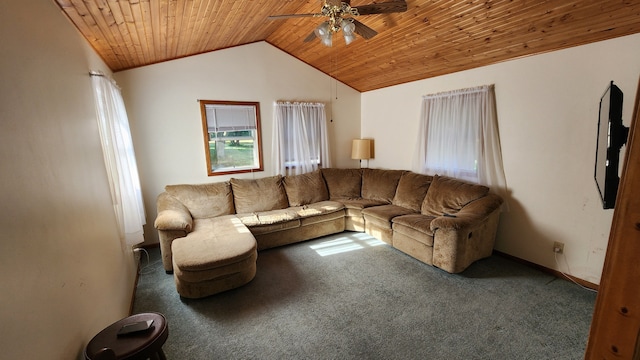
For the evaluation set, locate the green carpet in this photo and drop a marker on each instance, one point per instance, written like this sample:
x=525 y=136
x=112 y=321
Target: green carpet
x=349 y=296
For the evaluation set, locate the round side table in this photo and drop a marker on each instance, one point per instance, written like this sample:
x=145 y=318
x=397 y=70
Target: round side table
x=141 y=345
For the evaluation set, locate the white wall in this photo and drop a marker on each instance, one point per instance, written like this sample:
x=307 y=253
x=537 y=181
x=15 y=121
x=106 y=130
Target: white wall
x=162 y=105
x=64 y=274
x=547 y=113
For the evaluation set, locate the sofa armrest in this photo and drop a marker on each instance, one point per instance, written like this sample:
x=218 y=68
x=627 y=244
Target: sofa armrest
x=173 y=221
x=469 y=236
x=469 y=216
x=172 y=214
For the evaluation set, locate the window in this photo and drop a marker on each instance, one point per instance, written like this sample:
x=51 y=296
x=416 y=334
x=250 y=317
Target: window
x=231 y=136
x=300 y=138
x=458 y=137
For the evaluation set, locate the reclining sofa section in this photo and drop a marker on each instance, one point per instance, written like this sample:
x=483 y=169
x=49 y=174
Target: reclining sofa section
x=210 y=233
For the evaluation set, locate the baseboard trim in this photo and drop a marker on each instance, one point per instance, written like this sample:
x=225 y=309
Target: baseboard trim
x=547 y=270
x=544 y=269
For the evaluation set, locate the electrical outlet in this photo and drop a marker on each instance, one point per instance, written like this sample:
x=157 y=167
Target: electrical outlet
x=558 y=247
x=136 y=254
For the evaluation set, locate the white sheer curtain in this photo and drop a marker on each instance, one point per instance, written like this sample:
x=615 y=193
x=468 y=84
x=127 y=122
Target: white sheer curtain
x=459 y=137
x=300 y=142
x=119 y=158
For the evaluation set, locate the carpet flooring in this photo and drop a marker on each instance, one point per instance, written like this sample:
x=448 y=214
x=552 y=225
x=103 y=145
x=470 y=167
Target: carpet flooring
x=349 y=296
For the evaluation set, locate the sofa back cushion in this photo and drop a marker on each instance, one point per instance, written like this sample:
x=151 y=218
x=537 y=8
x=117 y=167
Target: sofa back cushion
x=204 y=200
x=380 y=184
x=264 y=194
x=412 y=188
x=343 y=183
x=306 y=188
x=447 y=195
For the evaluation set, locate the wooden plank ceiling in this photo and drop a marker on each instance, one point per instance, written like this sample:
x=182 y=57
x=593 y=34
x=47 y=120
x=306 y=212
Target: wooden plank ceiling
x=433 y=37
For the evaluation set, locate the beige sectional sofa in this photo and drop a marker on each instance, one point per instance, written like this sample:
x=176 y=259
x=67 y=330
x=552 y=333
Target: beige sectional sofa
x=210 y=233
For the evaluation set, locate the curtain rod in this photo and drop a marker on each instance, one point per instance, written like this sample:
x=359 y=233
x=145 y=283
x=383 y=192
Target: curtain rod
x=95 y=73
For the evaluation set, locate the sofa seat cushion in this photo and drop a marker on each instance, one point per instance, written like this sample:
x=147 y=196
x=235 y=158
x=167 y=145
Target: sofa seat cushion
x=268 y=217
x=316 y=219
x=412 y=188
x=380 y=184
x=275 y=227
x=382 y=215
x=208 y=246
x=318 y=208
x=306 y=188
x=416 y=226
x=204 y=200
x=447 y=195
x=264 y=194
x=343 y=183
x=359 y=203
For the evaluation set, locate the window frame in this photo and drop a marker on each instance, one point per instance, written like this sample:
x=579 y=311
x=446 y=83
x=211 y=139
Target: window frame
x=258 y=163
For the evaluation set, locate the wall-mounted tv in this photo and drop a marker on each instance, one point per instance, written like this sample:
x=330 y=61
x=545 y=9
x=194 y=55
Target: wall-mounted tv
x=612 y=135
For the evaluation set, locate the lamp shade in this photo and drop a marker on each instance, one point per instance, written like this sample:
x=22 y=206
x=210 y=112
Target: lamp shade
x=361 y=149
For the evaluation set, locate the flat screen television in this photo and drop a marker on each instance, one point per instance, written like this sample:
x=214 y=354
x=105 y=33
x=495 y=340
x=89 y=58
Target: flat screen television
x=612 y=135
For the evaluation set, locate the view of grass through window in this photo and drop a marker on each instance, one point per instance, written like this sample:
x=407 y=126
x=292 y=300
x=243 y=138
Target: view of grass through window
x=231 y=149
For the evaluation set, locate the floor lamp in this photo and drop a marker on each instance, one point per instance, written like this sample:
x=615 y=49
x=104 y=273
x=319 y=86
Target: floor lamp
x=361 y=149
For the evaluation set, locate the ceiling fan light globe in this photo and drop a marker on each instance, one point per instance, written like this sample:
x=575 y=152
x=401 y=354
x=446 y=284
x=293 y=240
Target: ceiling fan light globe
x=348 y=38
x=348 y=27
x=322 y=30
x=327 y=40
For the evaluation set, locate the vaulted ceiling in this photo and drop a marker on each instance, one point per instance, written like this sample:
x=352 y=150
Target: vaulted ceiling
x=433 y=37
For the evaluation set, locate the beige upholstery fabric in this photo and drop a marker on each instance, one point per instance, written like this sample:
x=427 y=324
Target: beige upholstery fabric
x=298 y=234
x=203 y=288
x=380 y=184
x=343 y=183
x=418 y=222
x=377 y=220
x=447 y=195
x=474 y=213
x=384 y=213
x=204 y=200
x=275 y=227
x=454 y=250
x=208 y=247
x=306 y=188
x=413 y=247
x=172 y=214
x=205 y=262
x=319 y=208
x=277 y=216
x=412 y=188
x=211 y=243
x=251 y=195
x=360 y=204
x=354 y=220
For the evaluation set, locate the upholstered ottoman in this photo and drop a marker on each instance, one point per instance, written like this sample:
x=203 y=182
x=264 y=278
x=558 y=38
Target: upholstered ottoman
x=220 y=256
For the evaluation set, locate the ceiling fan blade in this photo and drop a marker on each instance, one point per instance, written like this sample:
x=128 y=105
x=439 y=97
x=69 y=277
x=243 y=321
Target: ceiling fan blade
x=383 y=8
x=288 y=16
x=310 y=37
x=363 y=30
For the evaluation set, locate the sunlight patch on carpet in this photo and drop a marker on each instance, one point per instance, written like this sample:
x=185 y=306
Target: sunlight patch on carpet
x=345 y=244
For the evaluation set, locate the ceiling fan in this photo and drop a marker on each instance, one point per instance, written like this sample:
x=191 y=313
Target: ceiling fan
x=342 y=17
